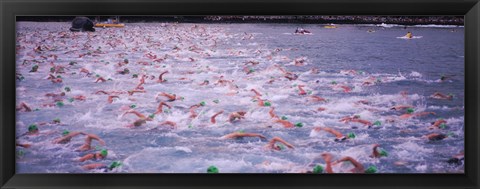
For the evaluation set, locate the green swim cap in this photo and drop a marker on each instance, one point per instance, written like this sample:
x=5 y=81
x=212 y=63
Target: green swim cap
x=356 y=116
x=206 y=81
x=67 y=89
x=371 y=169
x=66 y=132
x=125 y=60
x=377 y=123
x=135 y=75
x=133 y=106
x=115 y=164
x=410 y=110
x=97 y=75
x=60 y=104
x=299 y=124
x=266 y=103
x=59 y=76
x=32 y=128
x=151 y=116
x=281 y=146
x=333 y=82
x=104 y=153
x=443 y=126
x=383 y=152
x=241 y=131
x=318 y=169
x=309 y=92
x=71 y=99
x=251 y=70
x=52 y=69
x=212 y=169
x=351 y=135
x=202 y=103
x=56 y=120
x=379 y=80
x=72 y=63
x=284 y=118
x=216 y=101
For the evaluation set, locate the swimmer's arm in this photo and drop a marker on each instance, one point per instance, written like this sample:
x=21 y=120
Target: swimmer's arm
x=86 y=157
x=95 y=137
x=278 y=139
x=93 y=166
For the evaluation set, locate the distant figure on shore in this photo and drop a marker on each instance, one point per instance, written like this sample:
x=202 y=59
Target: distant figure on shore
x=82 y=24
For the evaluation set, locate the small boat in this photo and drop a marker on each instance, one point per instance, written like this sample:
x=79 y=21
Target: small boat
x=330 y=26
x=109 y=25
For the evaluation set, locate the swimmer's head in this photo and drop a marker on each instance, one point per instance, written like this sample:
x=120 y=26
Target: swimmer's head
x=284 y=118
x=139 y=122
x=267 y=103
x=212 y=169
x=356 y=116
x=351 y=135
x=32 y=128
x=67 y=89
x=114 y=164
x=377 y=123
x=371 y=169
x=60 y=104
x=65 y=133
x=203 y=103
x=410 y=110
x=56 y=120
x=383 y=153
x=299 y=124
x=104 y=153
x=318 y=169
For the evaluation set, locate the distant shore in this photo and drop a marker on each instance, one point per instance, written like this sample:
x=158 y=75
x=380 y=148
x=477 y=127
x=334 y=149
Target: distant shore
x=401 y=20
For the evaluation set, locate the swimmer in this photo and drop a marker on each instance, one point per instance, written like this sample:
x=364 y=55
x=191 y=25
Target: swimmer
x=357 y=119
x=80 y=97
x=88 y=142
x=100 y=79
x=441 y=96
x=23 y=107
x=160 y=78
x=170 y=97
x=435 y=136
x=317 y=99
x=236 y=135
x=212 y=119
x=160 y=107
x=97 y=156
x=110 y=99
x=256 y=92
x=67 y=136
x=458 y=158
x=410 y=114
x=285 y=123
x=272 y=144
x=138 y=114
x=236 y=115
x=377 y=152
x=252 y=62
x=401 y=107
x=272 y=114
x=131 y=92
x=339 y=136
x=106 y=168
x=300 y=88
x=23 y=145
x=192 y=109
x=438 y=124
x=327 y=157
x=168 y=123
x=205 y=82
x=358 y=166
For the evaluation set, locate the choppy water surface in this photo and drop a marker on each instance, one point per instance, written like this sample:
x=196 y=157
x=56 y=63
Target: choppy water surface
x=209 y=51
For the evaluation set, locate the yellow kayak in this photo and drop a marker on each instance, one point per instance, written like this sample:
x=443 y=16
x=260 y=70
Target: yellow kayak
x=330 y=26
x=109 y=25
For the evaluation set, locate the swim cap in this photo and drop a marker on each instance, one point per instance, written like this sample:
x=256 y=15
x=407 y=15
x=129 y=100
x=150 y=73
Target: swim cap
x=216 y=101
x=410 y=110
x=60 y=104
x=281 y=146
x=318 y=169
x=66 y=132
x=151 y=116
x=309 y=92
x=356 y=116
x=212 y=169
x=32 y=128
x=72 y=63
x=334 y=82
x=97 y=75
x=104 y=153
x=377 y=123
x=59 y=76
x=266 y=103
x=202 y=103
x=135 y=75
x=71 y=99
x=351 y=135
x=299 y=124
x=241 y=131
x=371 y=169
x=443 y=126
x=133 y=106
x=206 y=81
x=56 y=120
x=114 y=164
x=383 y=152
x=67 y=89
x=52 y=69
x=284 y=118
x=125 y=60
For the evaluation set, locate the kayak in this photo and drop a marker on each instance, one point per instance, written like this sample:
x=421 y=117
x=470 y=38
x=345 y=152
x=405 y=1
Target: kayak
x=414 y=37
x=109 y=25
x=330 y=27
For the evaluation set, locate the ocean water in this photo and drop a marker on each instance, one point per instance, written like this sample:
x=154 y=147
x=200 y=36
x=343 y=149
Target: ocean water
x=193 y=53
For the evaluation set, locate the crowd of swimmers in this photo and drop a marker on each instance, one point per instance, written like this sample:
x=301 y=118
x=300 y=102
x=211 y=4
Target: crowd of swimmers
x=167 y=101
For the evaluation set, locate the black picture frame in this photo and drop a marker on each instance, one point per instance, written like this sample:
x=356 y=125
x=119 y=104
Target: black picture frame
x=9 y=9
